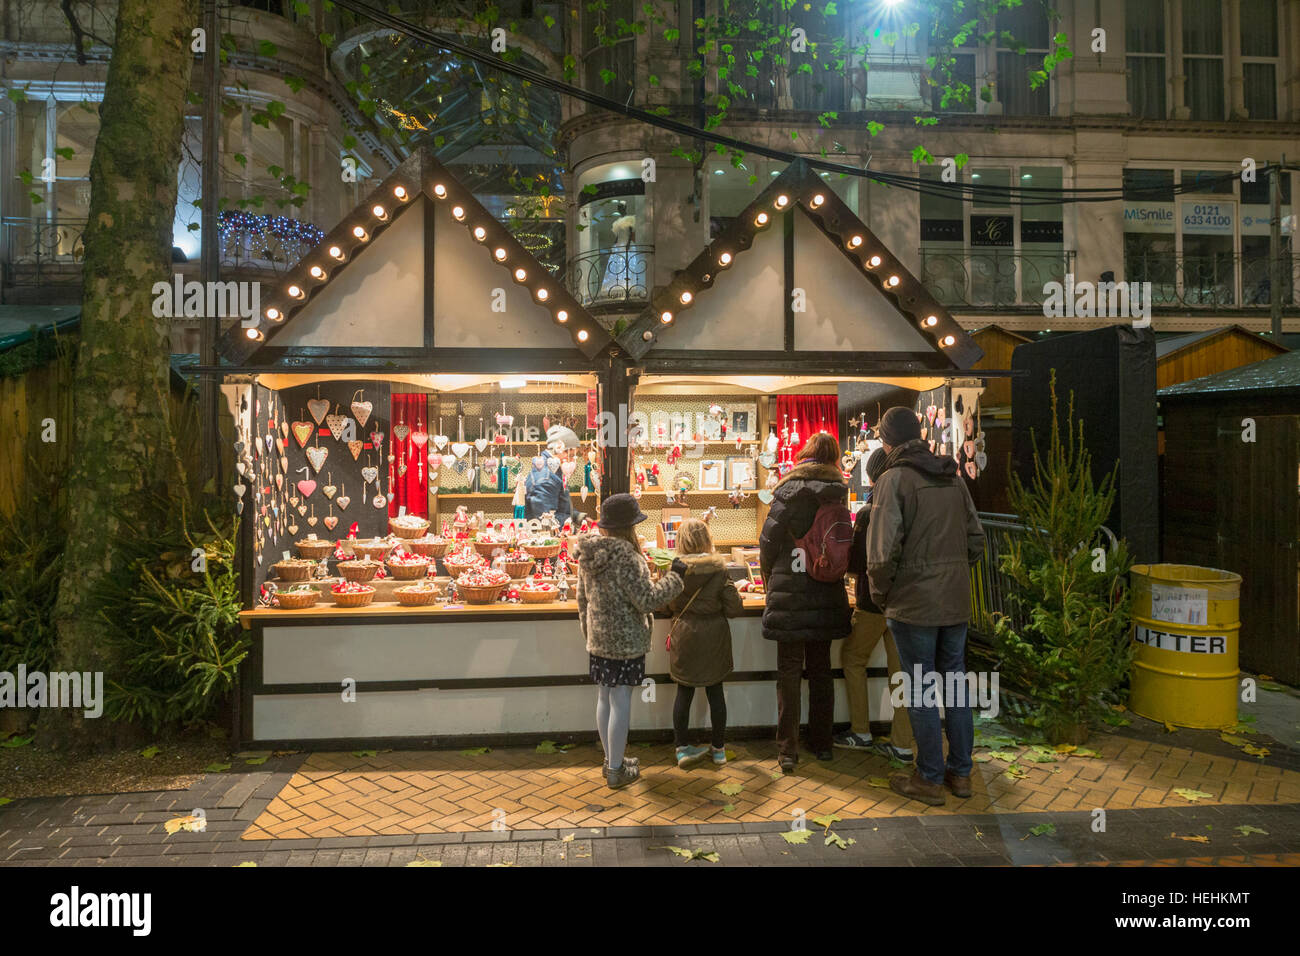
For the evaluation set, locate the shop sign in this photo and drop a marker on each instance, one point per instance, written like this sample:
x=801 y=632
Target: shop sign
x=1032 y=231
x=1208 y=218
x=991 y=231
x=1181 y=643
x=1149 y=217
x=942 y=230
x=1255 y=220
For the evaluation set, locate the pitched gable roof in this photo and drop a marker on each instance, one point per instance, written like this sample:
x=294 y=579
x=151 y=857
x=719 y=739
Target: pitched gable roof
x=799 y=187
x=419 y=181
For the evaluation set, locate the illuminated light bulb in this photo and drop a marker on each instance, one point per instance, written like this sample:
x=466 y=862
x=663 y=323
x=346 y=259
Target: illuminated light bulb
x=818 y=200
x=666 y=317
x=562 y=316
x=360 y=233
x=458 y=212
x=336 y=253
x=724 y=260
x=480 y=233
x=893 y=281
x=949 y=341
x=273 y=314
x=686 y=298
x=873 y=261
x=440 y=191
x=855 y=242
x=295 y=292
x=520 y=275
x=380 y=212
x=582 y=335
x=542 y=295
x=782 y=201
x=317 y=272
x=500 y=254
x=400 y=193
x=761 y=220
x=931 y=320
x=253 y=334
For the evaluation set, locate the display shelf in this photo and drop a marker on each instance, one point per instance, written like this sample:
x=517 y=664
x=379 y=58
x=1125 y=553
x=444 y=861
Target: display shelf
x=474 y=494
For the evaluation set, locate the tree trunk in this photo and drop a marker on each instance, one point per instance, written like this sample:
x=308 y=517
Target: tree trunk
x=121 y=385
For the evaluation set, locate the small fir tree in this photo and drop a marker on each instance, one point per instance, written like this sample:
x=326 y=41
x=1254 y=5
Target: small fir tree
x=1069 y=644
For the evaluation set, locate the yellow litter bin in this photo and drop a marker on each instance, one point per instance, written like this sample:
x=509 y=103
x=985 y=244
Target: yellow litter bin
x=1185 y=628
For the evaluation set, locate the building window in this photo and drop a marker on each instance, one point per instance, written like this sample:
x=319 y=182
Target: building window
x=609 y=58
x=1203 y=32
x=1259 y=58
x=1144 y=35
x=1017 y=65
x=615 y=246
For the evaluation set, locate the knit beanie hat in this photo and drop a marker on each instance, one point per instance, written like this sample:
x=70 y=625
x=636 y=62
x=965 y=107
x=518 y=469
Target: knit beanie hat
x=876 y=464
x=898 y=425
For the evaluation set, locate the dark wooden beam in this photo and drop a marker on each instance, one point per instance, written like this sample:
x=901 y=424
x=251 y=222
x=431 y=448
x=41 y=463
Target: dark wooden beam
x=848 y=364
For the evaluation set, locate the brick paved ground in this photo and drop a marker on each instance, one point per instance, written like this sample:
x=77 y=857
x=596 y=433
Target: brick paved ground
x=396 y=808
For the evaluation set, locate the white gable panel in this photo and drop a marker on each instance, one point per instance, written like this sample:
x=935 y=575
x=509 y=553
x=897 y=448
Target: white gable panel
x=845 y=311
x=375 y=301
x=744 y=309
x=465 y=277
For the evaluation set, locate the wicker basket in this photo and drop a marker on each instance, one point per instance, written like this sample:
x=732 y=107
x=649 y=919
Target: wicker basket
x=358 y=572
x=408 y=572
x=541 y=553
x=519 y=569
x=358 y=599
x=419 y=532
x=297 y=600
x=486 y=595
x=489 y=549
x=410 y=597
x=537 y=597
x=372 y=552
x=315 y=550
x=429 y=547
x=456 y=570
x=293 y=572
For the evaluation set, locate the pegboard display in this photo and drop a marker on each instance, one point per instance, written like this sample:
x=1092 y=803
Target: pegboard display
x=729 y=526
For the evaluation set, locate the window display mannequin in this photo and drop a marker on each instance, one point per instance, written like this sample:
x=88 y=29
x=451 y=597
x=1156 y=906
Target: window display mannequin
x=625 y=266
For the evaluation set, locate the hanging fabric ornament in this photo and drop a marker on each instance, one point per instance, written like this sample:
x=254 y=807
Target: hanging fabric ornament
x=379 y=501
x=284 y=463
x=343 y=500
x=361 y=409
x=328 y=490
x=419 y=437
x=284 y=427
x=377 y=439
x=319 y=408
x=279 y=482
x=401 y=431
x=330 y=521
x=311 y=521
x=316 y=455
x=370 y=474
x=306 y=486
x=302 y=432
x=336 y=423
x=355 y=447
x=293 y=527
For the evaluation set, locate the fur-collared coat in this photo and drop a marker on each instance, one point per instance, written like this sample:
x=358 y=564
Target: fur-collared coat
x=616 y=598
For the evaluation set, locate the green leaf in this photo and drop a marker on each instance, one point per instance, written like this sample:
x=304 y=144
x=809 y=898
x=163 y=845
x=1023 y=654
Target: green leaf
x=672 y=35
x=826 y=819
x=730 y=789
x=4 y=800
x=301 y=7
x=549 y=21
x=475 y=751
x=921 y=156
x=364 y=753
x=1270 y=685
x=838 y=840
x=1193 y=795
x=216 y=768
x=35 y=197
x=1044 y=828
x=16 y=94
x=1002 y=755
x=255 y=761
x=295 y=83
x=1246 y=830
x=729 y=808
x=326 y=40
x=709 y=855
x=26 y=176
x=15 y=742
x=64 y=151
x=150 y=752
x=267 y=48
x=796 y=837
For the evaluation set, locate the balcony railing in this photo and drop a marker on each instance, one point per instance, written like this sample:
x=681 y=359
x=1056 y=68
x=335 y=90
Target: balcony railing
x=614 y=279
x=1217 y=280
x=992 y=279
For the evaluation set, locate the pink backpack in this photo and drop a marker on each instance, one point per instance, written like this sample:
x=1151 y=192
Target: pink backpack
x=828 y=542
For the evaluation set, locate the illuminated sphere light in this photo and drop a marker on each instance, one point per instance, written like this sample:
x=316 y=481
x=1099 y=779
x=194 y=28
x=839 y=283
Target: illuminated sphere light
x=855 y=242
x=440 y=191
x=542 y=295
x=818 y=200
x=295 y=292
x=359 y=232
x=562 y=316
x=254 y=334
x=380 y=212
x=647 y=335
x=666 y=317
x=400 y=193
x=520 y=275
x=782 y=201
x=893 y=281
x=873 y=261
x=582 y=335
x=480 y=233
x=724 y=259
x=500 y=254
x=317 y=272
x=686 y=298
x=273 y=314
x=335 y=252
x=949 y=341
x=761 y=220
x=931 y=320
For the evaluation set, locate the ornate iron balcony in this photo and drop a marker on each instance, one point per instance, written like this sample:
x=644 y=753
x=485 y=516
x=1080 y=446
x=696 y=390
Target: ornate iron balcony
x=613 y=279
x=992 y=278
x=1216 y=280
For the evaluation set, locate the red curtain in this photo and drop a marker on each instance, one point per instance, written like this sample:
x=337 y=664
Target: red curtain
x=411 y=489
x=816 y=413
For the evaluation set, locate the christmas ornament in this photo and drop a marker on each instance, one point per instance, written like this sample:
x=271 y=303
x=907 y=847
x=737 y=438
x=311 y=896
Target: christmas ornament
x=306 y=486
x=302 y=432
x=316 y=455
x=343 y=500
x=329 y=490
x=336 y=423
x=355 y=448
x=361 y=409
x=311 y=521
x=318 y=407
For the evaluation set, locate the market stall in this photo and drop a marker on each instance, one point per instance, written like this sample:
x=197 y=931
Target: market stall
x=424 y=424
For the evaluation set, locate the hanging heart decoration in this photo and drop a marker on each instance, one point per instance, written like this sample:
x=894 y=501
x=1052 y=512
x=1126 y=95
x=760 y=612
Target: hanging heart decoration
x=370 y=474
x=307 y=487
x=401 y=431
x=284 y=463
x=279 y=482
x=293 y=527
x=281 y=446
x=440 y=442
x=469 y=476
x=765 y=496
x=971 y=470
x=553 y=464
x=270 y=443
x=401 y=469
x=491 y=464
x=240 y=489
x=302 y=509
x=419 y=438
x=239 y=506
x=319 y=408
x=379 y=501
x=336 y=423
x=239 y=448
x=969 y=449
x=930 y=411
x=376 y=438
x=302 y=432
x=343 y=501
x=767 y=459
x=266 y=520
x=362 y=412
x=981 y=460
x=480 y=444
x=355 y=448
x=330 y=521
x=284 y=429
x=311 y=521
x=317 y=455
x=448 y=460
x=241 y=468
x=460 y=449
x=567 y=469
x=329 y=491
x=389 y=497
x=293 y=500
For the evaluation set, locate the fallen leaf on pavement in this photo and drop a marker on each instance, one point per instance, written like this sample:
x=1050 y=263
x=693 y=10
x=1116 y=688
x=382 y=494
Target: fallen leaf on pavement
x=1255 y=751
x=1192 y=795
x=1002 y=755
x=246 y=863
x=797 y=837
x=882 y=782
x=476 y=752
x=1199 y=838
x=838 y=840
x=1246 y=830
x=730 y=789
x=216 y=768
x=150 y=752
x=1169 y=727
x=825 y=820
x=569 y=838
x=189 y=824
x=1066 y=748
x=363 y=753
x=701 y=854
x=423 y=862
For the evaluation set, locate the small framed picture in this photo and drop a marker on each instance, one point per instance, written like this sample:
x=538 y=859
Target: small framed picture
x=741 y=475
x=713 y=474
x=744 y=422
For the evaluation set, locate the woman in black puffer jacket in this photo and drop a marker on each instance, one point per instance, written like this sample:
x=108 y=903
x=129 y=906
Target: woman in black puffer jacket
x=803 y=615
